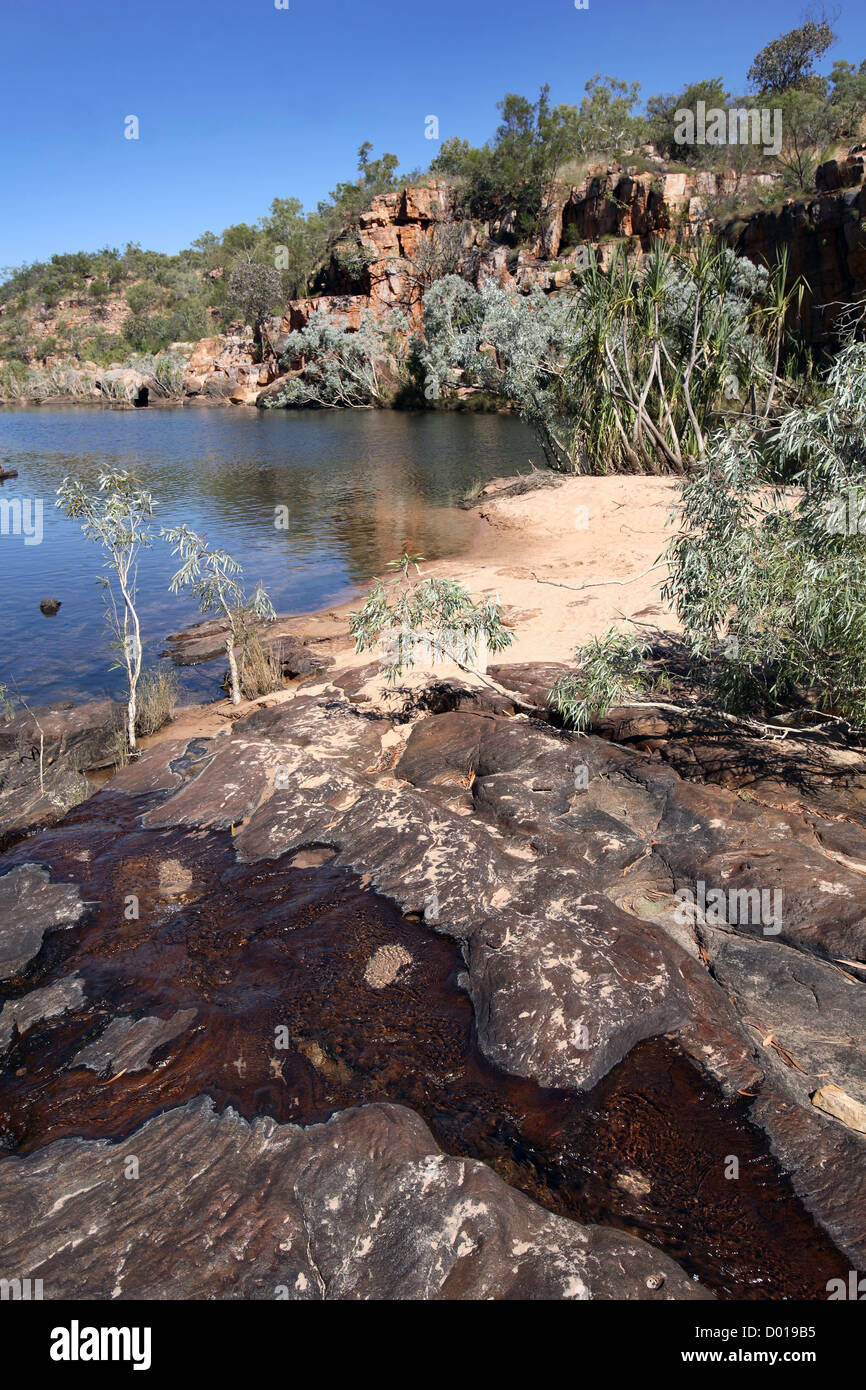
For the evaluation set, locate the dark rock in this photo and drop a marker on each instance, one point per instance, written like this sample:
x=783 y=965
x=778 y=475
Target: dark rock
x=127 y=1044
x=50 y=606
x=206 y=641
x=532 y=680
x=44 y=754
x=365 y=1206
x=554 y=860
x=17 y=1015
x=30 y=906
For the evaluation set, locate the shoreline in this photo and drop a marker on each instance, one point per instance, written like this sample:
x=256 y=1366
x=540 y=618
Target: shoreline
x=534 y=550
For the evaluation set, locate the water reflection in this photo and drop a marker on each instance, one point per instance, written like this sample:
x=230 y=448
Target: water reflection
x=357 y=487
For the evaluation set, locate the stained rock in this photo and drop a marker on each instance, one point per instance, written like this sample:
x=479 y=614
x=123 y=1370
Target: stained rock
x=365 y=1206
x=127 y=1044
x=555 y=862
x=30 y=906
x=40 y=1004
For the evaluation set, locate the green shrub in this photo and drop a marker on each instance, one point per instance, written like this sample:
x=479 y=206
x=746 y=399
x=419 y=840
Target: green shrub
x=158 y=693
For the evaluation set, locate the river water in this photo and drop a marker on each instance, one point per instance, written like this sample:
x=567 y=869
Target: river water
x=354 y=486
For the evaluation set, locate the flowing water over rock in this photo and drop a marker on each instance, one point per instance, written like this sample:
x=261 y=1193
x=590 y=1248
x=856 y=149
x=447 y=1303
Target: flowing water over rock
x=285 y=988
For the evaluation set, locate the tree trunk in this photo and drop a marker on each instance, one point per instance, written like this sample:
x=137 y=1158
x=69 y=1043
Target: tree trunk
x=233 y=669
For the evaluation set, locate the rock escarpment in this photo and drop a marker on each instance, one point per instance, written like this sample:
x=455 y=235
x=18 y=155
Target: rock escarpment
x=401 y=239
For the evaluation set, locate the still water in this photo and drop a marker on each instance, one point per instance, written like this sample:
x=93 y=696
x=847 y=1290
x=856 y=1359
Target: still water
x=357 y=485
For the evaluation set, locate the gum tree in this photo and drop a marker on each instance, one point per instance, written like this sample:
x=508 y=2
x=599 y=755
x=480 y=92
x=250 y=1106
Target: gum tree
x=213 y=577
x=427 y=619
x=117 y=517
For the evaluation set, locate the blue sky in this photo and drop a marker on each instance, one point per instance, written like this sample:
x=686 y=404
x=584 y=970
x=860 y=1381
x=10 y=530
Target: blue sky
x=239 y=102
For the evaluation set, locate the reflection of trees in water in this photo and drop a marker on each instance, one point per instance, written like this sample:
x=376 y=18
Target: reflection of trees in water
x=358 y=487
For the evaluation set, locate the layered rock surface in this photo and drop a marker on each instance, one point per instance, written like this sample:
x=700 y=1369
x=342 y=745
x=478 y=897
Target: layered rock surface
x=552 y=862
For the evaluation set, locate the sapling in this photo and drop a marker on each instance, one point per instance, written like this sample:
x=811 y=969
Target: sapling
x=427 y=619
x=117 y=517
x=213 y=577
x=609 y=668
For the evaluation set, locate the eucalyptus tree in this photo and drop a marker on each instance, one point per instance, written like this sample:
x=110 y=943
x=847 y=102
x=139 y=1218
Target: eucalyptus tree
x=513 y=346
x=339 y=367
x=780 y=575
x=213 y=576
x=427 y=620
x=116 y=516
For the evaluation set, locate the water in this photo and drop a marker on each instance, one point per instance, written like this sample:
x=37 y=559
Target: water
x=249 y=947
x=358 y=486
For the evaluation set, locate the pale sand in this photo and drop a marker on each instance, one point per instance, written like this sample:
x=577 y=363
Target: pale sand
x=586 y=531
x=593 y=532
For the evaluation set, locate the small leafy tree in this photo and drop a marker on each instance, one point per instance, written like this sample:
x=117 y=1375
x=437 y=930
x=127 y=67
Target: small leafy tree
x=807 y=125
x=787 y=62
x=661 y=112
x=605 y=121
x=609 y=669
x=255 y=290
x=117 y=517
x=426 y=620
x=339 y=367
x=213 y=577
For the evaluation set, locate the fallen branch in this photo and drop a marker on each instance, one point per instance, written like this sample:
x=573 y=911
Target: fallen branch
x=601 y=583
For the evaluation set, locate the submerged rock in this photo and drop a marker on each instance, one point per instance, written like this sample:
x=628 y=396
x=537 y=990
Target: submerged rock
x=30 y=906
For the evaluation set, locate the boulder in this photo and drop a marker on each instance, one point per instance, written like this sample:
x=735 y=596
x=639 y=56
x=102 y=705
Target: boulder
x=44 y=755
x=365 y=1206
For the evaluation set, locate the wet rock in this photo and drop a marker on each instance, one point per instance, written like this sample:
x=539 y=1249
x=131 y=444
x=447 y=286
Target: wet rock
x=554 y=862
x=50 y=606
x=44 y=754
x=365 y=1206
x=542 y=943
x=37 y=1006
x=827 y=1163
x=30 y=906
x=127 y=1044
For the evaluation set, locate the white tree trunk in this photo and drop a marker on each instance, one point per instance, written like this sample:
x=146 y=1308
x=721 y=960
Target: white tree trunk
x=233 y=669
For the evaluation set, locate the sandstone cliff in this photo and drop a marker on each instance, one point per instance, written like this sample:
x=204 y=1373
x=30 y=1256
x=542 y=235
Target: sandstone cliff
x=408 y=236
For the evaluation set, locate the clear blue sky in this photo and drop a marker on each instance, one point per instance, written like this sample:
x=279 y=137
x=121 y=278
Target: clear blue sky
x=239 y=101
